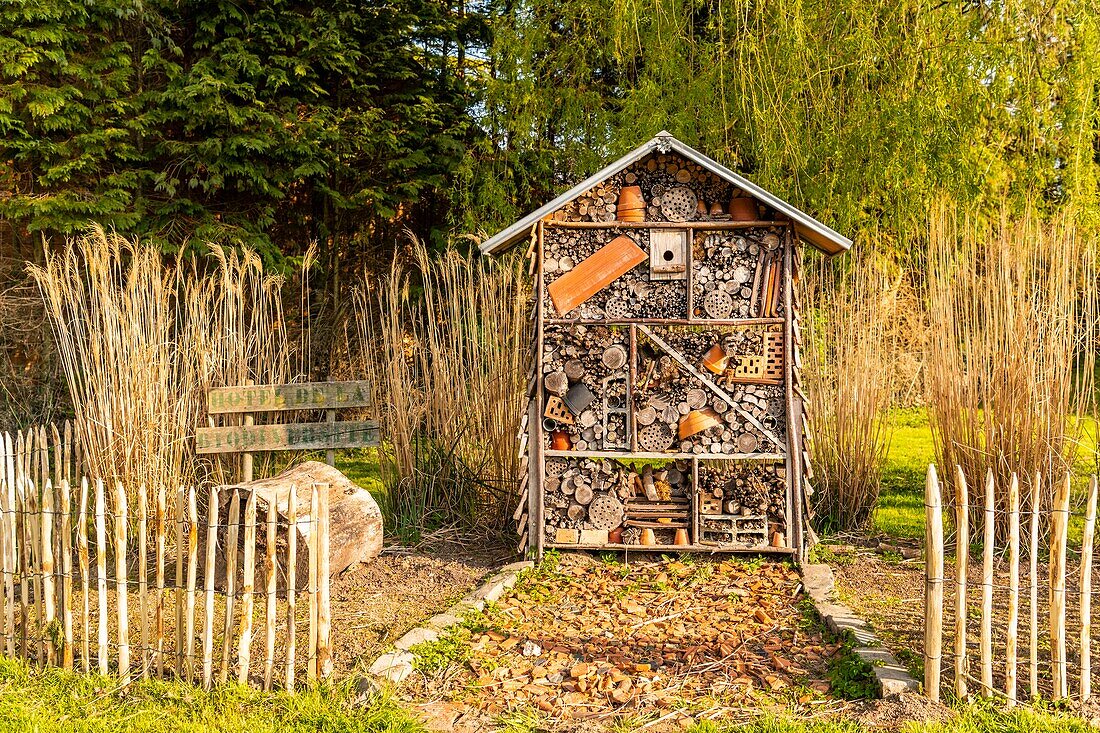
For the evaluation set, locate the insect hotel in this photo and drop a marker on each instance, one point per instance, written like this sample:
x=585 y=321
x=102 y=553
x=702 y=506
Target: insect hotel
x=666 y=407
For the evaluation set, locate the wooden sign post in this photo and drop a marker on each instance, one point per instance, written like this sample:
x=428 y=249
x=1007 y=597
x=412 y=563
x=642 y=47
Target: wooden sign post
x=250 y=438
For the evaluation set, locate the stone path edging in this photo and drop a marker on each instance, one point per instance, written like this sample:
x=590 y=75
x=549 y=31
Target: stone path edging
x=397 y=663
x=892 y=677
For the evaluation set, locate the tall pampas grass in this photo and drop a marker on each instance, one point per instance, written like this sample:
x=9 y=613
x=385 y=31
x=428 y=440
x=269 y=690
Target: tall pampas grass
x=443 y=343
x=1011 y=305
x=851 y=351
x=141 y=340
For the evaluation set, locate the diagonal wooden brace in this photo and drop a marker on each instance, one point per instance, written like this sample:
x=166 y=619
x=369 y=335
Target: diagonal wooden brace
x=722 y=394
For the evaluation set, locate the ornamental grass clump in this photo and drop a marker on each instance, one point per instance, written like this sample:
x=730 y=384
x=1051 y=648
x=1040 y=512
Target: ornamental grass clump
x=851 y=350
x=445 y=338
x=1011 y=308
x=141 y=340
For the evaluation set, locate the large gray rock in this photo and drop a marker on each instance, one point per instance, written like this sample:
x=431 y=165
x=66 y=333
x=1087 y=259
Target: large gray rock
x=355 y=521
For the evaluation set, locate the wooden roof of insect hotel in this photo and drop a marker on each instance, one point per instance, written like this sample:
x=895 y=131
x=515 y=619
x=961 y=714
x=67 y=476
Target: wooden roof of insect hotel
x=807 y=227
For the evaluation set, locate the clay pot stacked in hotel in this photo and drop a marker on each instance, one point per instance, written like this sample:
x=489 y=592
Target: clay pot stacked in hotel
x=631 y=204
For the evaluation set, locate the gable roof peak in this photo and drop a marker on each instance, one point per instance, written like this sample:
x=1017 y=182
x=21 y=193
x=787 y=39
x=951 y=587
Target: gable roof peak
x=807 y=227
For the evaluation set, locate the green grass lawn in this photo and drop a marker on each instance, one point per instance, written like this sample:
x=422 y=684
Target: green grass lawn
x=362 y=467
x=900 y=511
x=51 y=700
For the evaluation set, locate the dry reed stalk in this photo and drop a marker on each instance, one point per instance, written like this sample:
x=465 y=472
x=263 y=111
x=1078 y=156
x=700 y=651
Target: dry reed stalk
x=141 y=341
x=849 y=377
x=448 y=368
x=1008 y=305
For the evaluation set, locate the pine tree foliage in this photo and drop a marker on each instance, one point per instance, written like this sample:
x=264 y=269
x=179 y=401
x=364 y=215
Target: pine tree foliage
x=266 y=124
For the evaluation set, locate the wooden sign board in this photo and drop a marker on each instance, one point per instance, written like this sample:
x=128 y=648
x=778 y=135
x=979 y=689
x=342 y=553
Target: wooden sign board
x=275 y=397
x=300 y=436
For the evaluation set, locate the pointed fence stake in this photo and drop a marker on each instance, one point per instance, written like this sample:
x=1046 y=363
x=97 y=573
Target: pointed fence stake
x=1086 y=592
x=933 y=584
x=1013 y=589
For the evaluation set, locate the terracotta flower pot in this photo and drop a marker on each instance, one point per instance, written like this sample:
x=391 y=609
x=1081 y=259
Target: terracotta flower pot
x=744 y=208
x=631 y=204
x=682 y=537
x=715 y=360
x=559 y=440
x=615 y=536
x=648 y=538
x=697 y=421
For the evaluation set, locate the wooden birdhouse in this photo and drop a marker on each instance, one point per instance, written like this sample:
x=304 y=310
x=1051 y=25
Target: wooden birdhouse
x=667 y=410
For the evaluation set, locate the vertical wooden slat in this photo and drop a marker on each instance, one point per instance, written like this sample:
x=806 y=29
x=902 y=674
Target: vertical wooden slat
x=85 y=576
x=987 y=587
x=962 y=561
x=1013 y=588
x=7 y=542
x=47 y=570
x=66 y=573
x=101 y=574
x=122 y=581
x=211 y=546
x=192 y=577
x=143 y=578
x=330 y=418
x=55 y=518
x=67 y=453
x=246 y=458
x=291 y=584
x=1086 y=592
x=271 y=578
x=1058 y=523
x=23 y=543
x=244 y=648
x=1033 y=547
x=324 y=610
x=311 y=652
x=161 y=540
x=181 y=522
x=34 y=566
x=231 y=538
x=933 y=585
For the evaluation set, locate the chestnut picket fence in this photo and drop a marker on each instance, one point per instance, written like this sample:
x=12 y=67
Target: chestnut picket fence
x=92 y=583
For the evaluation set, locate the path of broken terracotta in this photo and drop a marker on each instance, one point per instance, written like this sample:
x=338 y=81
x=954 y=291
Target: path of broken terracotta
x=590 y=639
